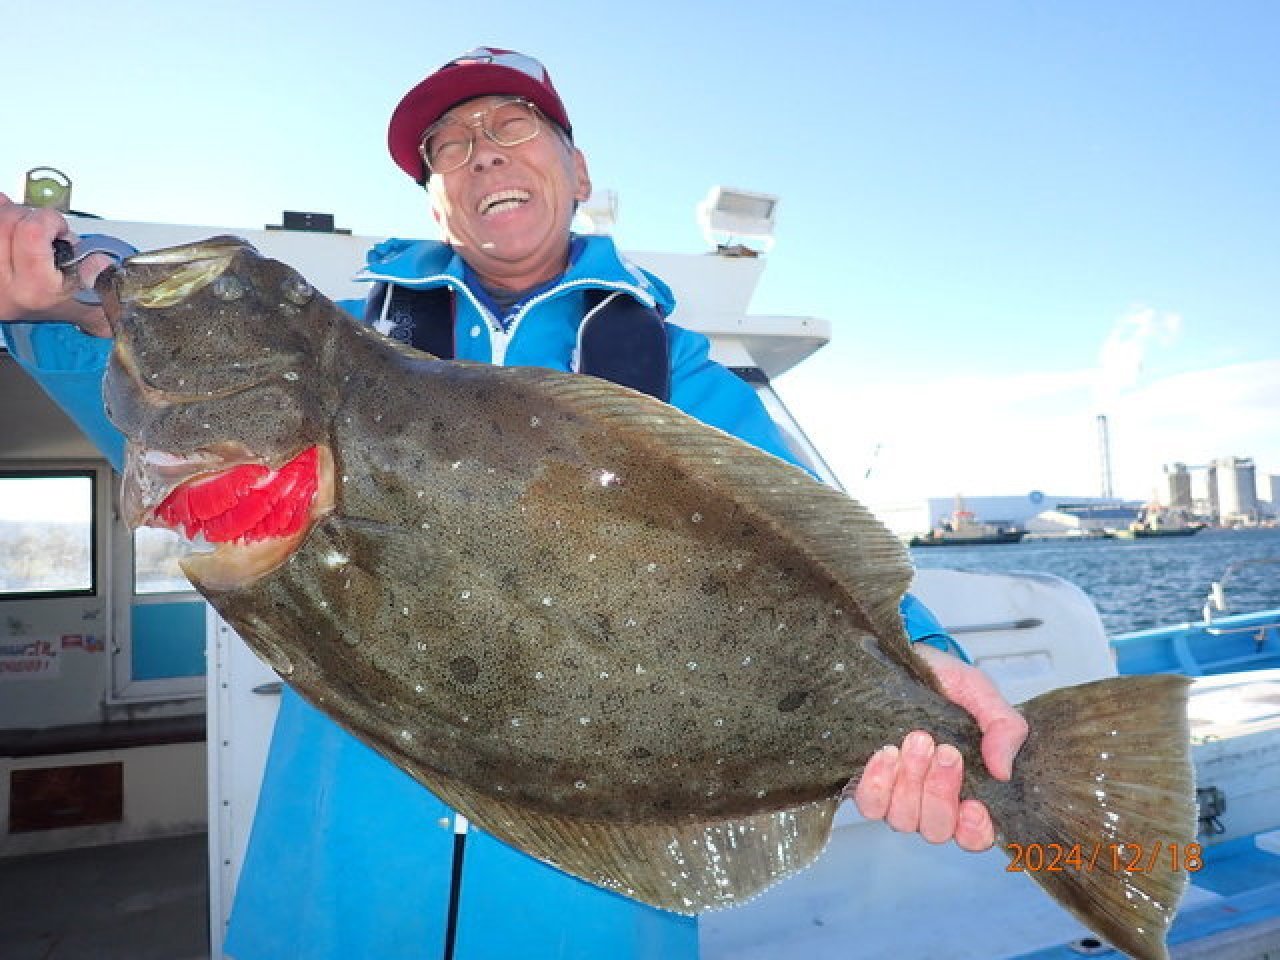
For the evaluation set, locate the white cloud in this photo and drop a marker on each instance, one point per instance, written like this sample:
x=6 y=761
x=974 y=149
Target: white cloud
x=1029 y=431
x=1123 y=352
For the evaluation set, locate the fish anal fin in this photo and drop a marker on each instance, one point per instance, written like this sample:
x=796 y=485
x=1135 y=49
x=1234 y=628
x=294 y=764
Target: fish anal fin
x=687 y=867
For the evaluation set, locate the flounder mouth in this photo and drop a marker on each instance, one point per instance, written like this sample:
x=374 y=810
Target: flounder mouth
x=253 y=514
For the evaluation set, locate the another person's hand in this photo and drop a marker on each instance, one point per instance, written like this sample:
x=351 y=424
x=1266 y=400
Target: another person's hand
x=916 y=789
x=31 y=287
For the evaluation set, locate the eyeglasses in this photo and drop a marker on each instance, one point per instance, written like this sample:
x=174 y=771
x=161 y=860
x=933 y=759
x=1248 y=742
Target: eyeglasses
x=448 y=143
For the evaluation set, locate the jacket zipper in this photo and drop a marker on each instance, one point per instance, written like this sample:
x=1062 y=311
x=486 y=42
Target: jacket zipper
x=500 y=339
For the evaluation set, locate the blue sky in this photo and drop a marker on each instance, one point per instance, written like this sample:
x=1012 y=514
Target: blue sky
x=1016 y=215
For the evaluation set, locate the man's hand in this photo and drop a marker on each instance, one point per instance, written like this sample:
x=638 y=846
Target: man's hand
x=31 y=287
x=917 y=788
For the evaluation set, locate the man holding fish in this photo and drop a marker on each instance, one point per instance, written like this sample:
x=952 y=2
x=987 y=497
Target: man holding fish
x=489 y=138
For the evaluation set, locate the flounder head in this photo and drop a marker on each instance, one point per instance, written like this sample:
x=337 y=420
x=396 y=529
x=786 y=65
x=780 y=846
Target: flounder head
x=216 y=381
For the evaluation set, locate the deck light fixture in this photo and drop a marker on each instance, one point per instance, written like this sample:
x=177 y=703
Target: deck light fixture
x=728 y=215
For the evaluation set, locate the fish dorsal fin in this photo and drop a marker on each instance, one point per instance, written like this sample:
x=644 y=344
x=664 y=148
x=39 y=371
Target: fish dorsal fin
x=845 y=539
x=687 y=867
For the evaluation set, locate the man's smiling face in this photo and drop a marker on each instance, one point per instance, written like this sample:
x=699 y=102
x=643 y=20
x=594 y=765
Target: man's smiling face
x=507 y=210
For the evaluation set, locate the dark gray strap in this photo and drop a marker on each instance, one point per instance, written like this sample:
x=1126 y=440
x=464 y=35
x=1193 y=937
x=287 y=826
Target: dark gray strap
x=621 y=340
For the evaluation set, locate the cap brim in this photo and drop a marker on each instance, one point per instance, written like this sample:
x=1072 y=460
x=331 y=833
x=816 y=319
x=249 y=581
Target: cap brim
x=431 y=99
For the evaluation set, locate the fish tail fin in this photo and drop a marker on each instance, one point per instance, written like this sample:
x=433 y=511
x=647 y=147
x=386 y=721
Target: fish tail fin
x=1101 y=811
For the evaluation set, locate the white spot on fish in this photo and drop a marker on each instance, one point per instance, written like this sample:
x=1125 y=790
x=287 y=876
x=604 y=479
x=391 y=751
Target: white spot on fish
x=421 y=494
x=475 y=331
x=377 y=418
x=696 y=518
x=345 y=478
x=455 y=465
x=335 y=559
x=630 y=622
x=607 y=477
x=604 y=674
x=760 y=794
x=465 y=595
x=535 y=421
x=584 y=720
x=652 y=567
x=539 y=675
x=516 y=721
x=418 y=688
x=406 y=735
x=591 y=558
x=422 y=647
x=405 y=611
x=547 y=601
x=290 y=375
x=838 y=668
x=718 y=721
x=580 y=784
x=640 y=669
x=746 y=661
x=826 y=734
x=692 y=665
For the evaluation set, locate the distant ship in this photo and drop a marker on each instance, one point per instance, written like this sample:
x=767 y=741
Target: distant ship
x=962 y=529
x=1158 y=521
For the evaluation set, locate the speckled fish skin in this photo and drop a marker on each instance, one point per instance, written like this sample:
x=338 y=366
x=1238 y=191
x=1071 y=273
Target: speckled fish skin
x=617 y=638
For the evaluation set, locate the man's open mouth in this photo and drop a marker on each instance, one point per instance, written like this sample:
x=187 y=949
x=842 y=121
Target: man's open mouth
x=502 y=200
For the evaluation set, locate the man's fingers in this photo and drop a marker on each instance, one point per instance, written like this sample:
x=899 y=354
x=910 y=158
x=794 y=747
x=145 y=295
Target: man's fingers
x=974 y=830
x=875 y=787
x=940 y=799
x=913 y=764
x=1001 y=740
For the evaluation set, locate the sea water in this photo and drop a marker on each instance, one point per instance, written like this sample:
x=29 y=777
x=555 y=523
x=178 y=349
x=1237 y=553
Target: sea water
x=1137 y=584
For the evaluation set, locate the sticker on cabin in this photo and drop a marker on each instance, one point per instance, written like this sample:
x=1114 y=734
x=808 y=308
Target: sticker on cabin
x=28 y=660
x=82 y=641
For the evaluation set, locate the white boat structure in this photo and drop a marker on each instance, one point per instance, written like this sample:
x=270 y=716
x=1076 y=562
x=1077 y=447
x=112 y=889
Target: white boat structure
x=129 y=768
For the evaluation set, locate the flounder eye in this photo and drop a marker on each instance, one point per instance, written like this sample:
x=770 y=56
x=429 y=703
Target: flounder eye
x=297 y=290
x=227 y=287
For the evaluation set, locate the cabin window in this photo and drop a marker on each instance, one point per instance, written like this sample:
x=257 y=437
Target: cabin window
x=160 y=619
x=47 y=533
x=155 y=562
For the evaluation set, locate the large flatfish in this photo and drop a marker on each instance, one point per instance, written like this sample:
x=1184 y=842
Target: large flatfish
x=616 y=638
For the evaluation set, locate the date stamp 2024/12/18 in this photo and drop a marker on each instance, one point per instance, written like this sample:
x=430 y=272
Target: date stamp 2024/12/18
x=1114 y=857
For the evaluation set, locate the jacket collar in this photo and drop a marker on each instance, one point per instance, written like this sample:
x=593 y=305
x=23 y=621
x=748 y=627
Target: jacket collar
x=594 y=261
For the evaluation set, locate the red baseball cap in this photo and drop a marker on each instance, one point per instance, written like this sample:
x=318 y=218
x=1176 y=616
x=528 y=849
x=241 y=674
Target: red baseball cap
x=483 y=72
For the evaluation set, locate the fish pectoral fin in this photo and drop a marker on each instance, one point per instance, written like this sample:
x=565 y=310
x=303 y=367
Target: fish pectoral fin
x=687 y=866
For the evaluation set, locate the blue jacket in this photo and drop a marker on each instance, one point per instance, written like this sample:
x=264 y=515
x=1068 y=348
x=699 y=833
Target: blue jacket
x=348 y=856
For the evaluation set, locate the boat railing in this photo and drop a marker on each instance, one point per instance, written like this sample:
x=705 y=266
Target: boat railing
x=1217 y=598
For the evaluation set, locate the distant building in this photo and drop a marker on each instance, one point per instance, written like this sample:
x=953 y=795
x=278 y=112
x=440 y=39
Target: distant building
x=1036 y=512
x=1237 y=490
x=1178 y=485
